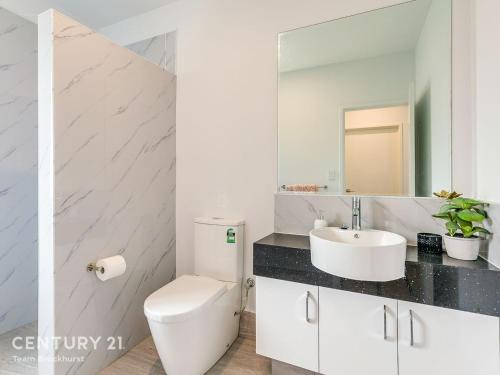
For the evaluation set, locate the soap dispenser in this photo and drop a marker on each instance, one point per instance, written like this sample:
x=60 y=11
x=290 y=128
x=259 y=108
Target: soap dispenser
x=320 y=222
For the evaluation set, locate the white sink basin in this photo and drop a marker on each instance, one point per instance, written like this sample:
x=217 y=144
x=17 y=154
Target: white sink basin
x=368 y=255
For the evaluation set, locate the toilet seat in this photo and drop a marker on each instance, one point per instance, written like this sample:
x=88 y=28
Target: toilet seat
x=183 y=298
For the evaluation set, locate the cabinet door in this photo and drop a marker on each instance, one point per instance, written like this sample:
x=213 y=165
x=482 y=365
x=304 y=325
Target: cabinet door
x=357 y=334
x=287 y=322
x=434 y=340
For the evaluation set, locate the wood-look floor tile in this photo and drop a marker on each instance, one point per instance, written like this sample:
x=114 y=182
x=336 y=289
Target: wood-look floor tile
x=240 y=359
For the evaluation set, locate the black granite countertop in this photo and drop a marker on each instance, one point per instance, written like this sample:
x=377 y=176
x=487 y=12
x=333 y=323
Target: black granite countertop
x=472 y=286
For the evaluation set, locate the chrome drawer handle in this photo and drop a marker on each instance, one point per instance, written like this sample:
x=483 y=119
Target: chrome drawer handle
x=412 y=341
x=385 y=322
x=308 y=294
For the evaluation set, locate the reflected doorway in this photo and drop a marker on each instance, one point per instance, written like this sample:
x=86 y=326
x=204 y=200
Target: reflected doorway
x=376 y=155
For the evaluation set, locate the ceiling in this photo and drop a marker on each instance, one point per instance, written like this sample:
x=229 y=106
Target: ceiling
x=371 y=34
x=93 y=13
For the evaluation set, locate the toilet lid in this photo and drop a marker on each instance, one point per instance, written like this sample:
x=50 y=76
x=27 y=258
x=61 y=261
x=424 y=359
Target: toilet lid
x=182 y=298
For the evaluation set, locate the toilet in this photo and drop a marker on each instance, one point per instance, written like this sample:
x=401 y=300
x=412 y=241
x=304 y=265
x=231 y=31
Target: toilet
x=194 y=318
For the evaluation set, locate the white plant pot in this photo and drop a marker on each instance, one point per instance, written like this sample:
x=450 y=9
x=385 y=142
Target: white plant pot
x=462 y=248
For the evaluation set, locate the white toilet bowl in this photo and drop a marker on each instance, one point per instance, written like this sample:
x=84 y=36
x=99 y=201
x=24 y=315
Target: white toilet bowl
x=193 y=322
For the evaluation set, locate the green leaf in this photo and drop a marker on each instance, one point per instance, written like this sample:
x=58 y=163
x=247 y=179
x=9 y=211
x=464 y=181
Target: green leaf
x=443 y=215
x=481 y=211
x=466 y=202
x=460 y=202
x=474 y=202
x=465 y=227
x=480 y=230
x=470 y=215
x=452 y=228
x=448 y=207
x=466 y=231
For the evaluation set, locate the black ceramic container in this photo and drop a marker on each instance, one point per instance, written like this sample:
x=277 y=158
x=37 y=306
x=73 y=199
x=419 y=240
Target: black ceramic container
x=430 y=243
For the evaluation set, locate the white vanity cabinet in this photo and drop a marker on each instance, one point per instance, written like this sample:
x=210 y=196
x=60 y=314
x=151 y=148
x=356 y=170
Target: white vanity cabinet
x=357 y=334
x=337 y=332
x=287 y=322
x=434 y=340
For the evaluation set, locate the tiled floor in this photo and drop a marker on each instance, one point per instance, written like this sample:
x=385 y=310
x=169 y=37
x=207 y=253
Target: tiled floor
x=15 y=362
x=240 y=359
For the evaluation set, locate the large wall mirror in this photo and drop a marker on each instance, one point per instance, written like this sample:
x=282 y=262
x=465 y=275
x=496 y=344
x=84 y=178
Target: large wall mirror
x=365 y=103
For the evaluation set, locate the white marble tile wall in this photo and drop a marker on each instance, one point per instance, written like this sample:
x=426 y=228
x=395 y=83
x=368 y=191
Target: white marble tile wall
x=492 y=250
x=160 y=49
x=18 y=171
x=113 y=170
x=295 y=213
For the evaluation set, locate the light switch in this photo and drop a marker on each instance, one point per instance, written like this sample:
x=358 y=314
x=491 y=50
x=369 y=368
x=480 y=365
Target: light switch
x=332 y=175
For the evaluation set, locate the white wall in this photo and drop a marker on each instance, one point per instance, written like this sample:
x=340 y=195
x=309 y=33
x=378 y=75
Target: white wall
x=463 y=121
x=487 y=67
x=311 y=102
x=433 y=78
x=18 y=172
x=227 y=102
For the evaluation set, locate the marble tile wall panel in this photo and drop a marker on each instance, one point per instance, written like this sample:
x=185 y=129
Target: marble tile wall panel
x=18 y=171
x=295 y=214
x=491 y=251
x=114 y=189
x=160 y=50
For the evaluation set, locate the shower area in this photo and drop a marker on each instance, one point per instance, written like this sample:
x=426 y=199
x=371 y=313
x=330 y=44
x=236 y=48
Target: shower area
x=18 y=190
x=87 y=171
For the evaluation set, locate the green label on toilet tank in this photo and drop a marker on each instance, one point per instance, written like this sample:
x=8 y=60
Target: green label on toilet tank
x=230 y=236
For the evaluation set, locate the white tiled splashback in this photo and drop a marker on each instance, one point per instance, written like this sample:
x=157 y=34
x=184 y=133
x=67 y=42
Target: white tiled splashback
x=295 y=213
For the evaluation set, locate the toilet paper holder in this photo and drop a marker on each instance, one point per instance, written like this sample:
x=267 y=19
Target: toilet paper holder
x=92 y=267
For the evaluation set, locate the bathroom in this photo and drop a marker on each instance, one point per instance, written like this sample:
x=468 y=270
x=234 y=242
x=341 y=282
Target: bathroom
x=199 y=90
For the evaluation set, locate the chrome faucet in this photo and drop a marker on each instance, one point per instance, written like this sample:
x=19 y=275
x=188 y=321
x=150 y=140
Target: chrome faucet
x=356 y=213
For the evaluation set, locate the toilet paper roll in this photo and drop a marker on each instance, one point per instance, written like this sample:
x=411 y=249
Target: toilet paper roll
x=112 y=267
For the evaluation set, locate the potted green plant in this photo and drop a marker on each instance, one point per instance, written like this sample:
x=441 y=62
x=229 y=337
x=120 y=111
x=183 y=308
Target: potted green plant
x=464 y=218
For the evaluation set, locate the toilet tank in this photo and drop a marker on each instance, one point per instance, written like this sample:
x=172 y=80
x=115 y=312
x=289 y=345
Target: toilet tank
x=218 y=247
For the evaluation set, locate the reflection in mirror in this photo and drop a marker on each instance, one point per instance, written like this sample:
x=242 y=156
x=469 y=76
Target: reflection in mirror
x=365 y=103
